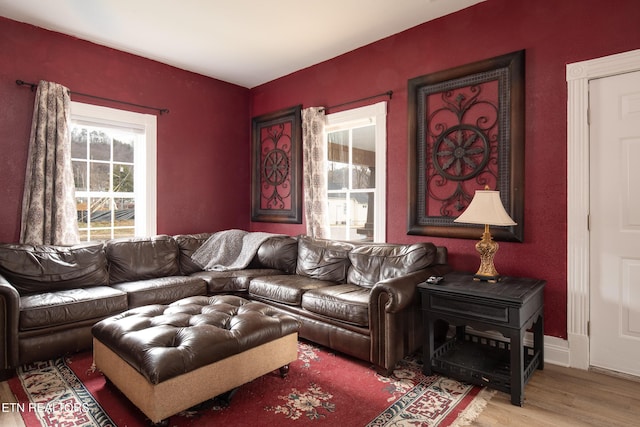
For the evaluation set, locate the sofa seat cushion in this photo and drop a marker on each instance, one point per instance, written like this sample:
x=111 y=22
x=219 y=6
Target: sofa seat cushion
x=285 y=289
x=348 y=303
x=232 y=280
x=69 y=306
x=162 y=290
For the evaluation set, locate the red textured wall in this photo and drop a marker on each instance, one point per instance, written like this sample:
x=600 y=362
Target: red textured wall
x=553 y=33
x=203 y=143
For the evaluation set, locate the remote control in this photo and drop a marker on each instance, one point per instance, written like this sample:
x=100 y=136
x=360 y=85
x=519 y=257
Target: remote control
x=434 y=280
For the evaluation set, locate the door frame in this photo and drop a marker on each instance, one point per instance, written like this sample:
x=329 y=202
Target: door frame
x=578 y=194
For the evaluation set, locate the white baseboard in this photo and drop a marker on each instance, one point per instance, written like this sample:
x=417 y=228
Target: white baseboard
x=556 y=351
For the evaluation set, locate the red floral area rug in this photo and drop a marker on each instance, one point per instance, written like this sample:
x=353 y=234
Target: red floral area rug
x=322 y=388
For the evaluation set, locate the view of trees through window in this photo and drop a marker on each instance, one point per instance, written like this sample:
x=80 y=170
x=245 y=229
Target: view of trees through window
x=103 y=169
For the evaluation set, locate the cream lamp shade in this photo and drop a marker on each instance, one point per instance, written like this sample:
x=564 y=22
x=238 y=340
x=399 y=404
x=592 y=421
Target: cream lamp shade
x=486 y=208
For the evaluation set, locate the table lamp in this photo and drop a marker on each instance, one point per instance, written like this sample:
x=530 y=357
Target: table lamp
x=486 y=208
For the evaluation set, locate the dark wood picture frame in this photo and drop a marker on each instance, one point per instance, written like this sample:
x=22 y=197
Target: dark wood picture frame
x=276 y=181
x=466 y=130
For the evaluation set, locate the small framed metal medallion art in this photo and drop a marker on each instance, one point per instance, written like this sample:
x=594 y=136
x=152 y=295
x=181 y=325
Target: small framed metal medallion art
x=276 y=184
x=466 y=133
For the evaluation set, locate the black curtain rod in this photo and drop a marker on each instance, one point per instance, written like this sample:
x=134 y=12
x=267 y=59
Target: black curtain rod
x=160 y=110
x=388 y=93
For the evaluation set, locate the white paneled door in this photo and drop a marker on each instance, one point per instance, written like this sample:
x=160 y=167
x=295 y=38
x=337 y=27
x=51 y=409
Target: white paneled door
x=614 y=222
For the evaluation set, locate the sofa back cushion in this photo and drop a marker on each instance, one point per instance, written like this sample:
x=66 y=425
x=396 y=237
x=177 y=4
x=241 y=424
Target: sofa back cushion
x=132 y=259
x=43 y=268
x=373 y=263
x=323 y=259
x=188 y=244
x=278 y=252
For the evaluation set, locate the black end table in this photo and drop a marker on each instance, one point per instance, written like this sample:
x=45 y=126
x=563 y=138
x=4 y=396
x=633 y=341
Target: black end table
x=510 y=307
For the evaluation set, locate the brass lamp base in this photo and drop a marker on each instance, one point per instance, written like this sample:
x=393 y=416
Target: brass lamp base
x=487 y=249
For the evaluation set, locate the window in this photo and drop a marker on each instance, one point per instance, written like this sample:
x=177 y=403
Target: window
x=113 y=156
x=356 y=175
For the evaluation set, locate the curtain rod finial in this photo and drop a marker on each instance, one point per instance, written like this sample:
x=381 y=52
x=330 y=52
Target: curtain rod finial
x=23 y=83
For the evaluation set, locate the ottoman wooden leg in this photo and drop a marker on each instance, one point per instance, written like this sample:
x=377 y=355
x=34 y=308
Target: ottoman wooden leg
x=284 y=371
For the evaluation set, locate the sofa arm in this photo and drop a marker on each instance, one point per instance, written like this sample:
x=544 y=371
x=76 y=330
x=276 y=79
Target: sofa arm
x=9 y=315
x=395 y=319
x=393 y=322
x=399 y=292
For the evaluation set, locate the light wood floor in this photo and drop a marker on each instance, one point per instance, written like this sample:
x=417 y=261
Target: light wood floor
x=559 y=397
x=555 y=397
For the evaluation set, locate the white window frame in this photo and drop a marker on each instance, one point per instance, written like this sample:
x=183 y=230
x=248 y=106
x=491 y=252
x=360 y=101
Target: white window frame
x=368 y=115
x=145 y=170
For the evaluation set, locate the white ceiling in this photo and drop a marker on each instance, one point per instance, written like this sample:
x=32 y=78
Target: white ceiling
x=246 y=42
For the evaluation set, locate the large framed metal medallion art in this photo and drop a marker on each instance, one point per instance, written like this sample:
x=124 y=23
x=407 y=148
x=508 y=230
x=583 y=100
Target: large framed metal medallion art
x=466 y=132
x=276 y=184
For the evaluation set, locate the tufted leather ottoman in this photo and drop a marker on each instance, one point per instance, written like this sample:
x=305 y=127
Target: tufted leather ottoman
x=167 y=358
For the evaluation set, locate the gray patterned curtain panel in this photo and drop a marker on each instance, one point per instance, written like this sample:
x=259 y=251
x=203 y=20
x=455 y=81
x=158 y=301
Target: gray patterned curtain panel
x=48 y=203
x=315 y=180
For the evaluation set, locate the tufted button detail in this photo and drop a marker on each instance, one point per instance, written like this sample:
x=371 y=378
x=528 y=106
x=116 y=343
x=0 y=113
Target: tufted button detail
x=163 y=341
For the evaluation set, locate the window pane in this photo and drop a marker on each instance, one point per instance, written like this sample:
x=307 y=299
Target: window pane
x=80 y=175
x=100 y=145
x=99 y=176
x=364 y=138
x=100 y=212
x=123 y=178
x=79 y=143
x=363 y=217
x=83 y=234
x=101 y=234
x=124 y=217
x=364 y=157
x=363 y=177
x=82 y=209
x=123 y=150
x=338 y=176
x=338 y=215
x=125 y=209
x=339 y=146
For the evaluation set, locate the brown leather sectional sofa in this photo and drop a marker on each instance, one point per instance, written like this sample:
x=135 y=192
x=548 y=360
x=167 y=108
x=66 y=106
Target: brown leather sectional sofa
x=359 y=299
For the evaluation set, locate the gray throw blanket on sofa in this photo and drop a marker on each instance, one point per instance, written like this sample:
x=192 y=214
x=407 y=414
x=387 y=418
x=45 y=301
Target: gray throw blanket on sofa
x=229 y=249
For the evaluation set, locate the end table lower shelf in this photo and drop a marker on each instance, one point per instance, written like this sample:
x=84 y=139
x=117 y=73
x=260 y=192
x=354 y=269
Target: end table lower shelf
x=482 y=361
